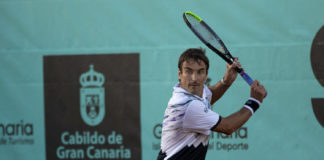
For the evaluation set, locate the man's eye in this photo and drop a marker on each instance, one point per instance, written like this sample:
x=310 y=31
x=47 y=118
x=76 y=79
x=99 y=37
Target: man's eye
x=201 y=72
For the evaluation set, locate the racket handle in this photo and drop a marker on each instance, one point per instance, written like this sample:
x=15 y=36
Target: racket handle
x=248 y=79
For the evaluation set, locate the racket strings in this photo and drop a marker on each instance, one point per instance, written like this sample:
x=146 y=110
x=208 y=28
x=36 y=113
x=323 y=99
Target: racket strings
x=204 y=33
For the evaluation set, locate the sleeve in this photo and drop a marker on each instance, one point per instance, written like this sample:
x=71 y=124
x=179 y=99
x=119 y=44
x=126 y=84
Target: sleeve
x=198 y=118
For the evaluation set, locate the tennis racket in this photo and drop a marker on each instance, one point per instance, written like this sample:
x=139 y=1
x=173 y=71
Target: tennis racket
x=212 y=40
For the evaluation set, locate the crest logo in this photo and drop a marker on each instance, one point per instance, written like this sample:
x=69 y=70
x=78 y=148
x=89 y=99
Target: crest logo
x=89 y=104
x=92 y=97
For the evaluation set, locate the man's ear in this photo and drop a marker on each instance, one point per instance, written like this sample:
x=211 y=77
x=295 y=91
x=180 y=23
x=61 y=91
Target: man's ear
x=179 y=73
x=206 y=76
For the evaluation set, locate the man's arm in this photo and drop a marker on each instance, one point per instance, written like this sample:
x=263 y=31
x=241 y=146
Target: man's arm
x=220 y=87
x=231 y=123
x=218 y=90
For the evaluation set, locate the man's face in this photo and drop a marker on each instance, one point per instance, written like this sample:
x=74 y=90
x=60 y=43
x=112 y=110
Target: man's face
x=192 y=76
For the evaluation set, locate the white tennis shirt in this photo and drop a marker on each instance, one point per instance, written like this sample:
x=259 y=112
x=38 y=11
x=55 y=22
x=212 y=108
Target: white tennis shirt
x=187 y=124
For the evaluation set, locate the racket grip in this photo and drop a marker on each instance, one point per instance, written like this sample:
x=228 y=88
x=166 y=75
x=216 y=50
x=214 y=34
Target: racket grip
x=248 y=79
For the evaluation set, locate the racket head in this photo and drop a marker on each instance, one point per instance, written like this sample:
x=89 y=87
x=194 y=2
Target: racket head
x=207 y=35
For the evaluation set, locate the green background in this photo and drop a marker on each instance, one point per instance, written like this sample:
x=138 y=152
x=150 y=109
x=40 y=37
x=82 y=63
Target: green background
x=271 y=38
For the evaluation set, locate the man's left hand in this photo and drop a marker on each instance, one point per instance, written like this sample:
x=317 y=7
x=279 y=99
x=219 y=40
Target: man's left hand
x=231 y=73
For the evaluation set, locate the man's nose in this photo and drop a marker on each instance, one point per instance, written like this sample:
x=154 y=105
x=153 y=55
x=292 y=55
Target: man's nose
x=194 y=76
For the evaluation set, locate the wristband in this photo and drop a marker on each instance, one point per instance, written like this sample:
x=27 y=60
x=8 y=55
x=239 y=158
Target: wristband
x=252 y=104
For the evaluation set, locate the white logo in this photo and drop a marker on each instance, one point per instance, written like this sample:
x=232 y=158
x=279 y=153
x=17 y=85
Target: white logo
x=92 y=97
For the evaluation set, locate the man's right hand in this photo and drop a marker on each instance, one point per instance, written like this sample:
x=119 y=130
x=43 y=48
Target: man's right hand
x=258 y=91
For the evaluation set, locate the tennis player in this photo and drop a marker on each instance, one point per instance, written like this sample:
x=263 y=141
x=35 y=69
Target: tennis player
x=189 y=120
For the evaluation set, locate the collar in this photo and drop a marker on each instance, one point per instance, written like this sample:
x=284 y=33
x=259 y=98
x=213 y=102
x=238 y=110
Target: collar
x=178 y=89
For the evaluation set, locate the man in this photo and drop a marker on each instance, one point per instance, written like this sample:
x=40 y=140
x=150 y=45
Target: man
x=189 y=120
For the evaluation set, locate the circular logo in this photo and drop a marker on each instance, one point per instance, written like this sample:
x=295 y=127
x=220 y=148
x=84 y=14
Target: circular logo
x=317 y=59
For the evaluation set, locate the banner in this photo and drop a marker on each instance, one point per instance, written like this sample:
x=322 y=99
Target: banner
x=91 y=79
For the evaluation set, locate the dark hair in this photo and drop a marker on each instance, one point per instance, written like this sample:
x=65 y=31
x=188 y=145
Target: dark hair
x=196 y=54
